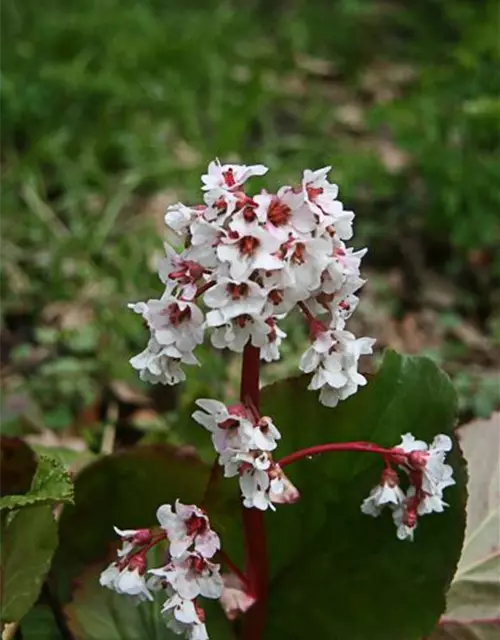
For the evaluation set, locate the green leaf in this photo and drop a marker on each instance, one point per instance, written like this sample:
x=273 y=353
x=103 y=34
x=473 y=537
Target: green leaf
x=336 y=572
x=39 y=623
x=51 y=483
x=125 y=490
x=28 y=542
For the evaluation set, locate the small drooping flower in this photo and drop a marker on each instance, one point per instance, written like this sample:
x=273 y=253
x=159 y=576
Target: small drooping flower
x=185 y=617
x=386 y=493
x=191 y=575
x=127 y=579
x=187 y=525
x=333 y=357
x=162 y=364
x=428 y=475
x=405 y=521
x=231 y=427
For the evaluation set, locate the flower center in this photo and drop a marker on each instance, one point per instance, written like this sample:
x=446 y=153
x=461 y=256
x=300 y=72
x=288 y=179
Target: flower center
x=229 y=178
x=248 y=245
x=242 y=320
x=313 y=192
x=196 y=525
x=249 y=214
x=278 y=213
x=198 y=564
x=229 y=423
x=176 y=315
x=298 y=255
x=276 y=296
x=237 y=291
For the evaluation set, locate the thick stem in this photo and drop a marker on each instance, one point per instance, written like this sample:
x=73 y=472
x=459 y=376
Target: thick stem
x=234 y=569
x=212 y=479
x=256 y=567
x=335 y=446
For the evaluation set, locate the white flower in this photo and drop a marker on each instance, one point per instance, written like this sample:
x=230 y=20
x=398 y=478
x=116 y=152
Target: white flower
x=388 y=492
x=264 y=435
x=180 y=269
x=320 y=195
x=191 y=575
x=271 y=350
x=409 y=443
x=405 y=523
x=186 y=526
x=305 y=259
x=230 y=430
x=205 y=237
x=255 y=486
x=235 y=298
x=229 y=176
x=334 y=358
x=127 y=581
x=178 y=217
x=436 y=475
x=162 y=364
x=246 y=247
x=175 y=322
x=258 y=477
x=184 y=616
x=428 y=463
x=236 y=333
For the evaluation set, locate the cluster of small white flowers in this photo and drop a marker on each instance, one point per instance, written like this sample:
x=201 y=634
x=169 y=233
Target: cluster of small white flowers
x=253 y=259
x=429 y=476
x=187 y=575
x=244 y=444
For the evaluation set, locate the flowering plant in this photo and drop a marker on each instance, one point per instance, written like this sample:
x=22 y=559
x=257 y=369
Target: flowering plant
x=252 y=260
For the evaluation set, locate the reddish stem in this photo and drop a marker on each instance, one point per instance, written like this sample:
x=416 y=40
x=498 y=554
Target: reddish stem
x=212 y=479
x=256 y=567
x=336 y=446
x=315 y=326
x=159 y=538
x=234 y=569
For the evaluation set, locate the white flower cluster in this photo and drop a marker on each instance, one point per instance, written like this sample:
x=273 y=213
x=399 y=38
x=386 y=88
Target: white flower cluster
x=187 y=575
x=244 y=444
x=429 y=476
x=253 y=259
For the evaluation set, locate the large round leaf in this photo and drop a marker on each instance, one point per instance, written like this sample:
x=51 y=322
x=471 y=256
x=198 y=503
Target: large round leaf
x=337 y=573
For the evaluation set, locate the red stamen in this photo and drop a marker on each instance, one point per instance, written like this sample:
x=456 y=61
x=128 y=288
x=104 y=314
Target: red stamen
x=229 y=177
x=278 y=213
x=237 y=291
x=196 y=525
x=248 y=245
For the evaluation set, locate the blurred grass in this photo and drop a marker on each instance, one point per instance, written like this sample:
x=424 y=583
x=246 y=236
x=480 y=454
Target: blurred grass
x=107 y=102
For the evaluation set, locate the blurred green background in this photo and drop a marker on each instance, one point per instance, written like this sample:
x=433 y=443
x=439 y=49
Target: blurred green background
x=111 y=109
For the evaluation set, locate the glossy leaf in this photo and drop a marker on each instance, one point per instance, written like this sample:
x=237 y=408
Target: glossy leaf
x=51 y=483
x=335 y=572
x=29 y=539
